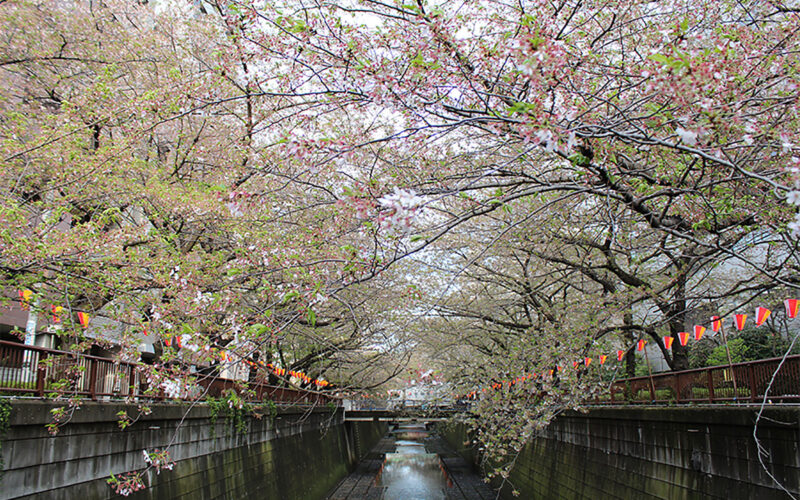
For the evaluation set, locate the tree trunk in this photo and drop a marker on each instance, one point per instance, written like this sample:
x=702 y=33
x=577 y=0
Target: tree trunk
x=677 y=323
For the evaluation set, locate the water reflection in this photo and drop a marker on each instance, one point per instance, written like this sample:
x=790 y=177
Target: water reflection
x=411 y=473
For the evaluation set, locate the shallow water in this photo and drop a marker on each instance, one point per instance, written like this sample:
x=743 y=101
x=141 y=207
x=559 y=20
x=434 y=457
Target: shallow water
x=410 y=472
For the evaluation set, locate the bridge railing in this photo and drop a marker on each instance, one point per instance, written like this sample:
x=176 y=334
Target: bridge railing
x=738 y=382
x=38 y=371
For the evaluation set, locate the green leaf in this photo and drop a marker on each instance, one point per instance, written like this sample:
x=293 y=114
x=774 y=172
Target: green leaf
x=312 y=317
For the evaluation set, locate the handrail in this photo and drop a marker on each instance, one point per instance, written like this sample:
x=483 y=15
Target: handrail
x=25 y=369
x=737 y=382
x=35 y=370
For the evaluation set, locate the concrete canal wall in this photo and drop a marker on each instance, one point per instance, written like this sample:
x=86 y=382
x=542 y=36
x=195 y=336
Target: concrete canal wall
x=285 y=454
x=644 y=453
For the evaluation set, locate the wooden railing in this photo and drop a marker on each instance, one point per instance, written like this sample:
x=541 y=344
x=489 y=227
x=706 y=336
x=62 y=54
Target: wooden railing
x=740 y=382
x=38 y=371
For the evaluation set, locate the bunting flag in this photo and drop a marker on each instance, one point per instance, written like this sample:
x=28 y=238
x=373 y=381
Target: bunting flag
x=178 y=341
x=588 y=361
x=741 y=319
x=762 y=313
x=791 y=307
x=25 y=298
x=168 y=341
x=683 y=337
x=620 y=355
x=603 y=359
x=668 y=341
x=642 y=342
x=699 y=330
x=56 y=310
x=83 y=319
x=716 y=323
x=575 y=364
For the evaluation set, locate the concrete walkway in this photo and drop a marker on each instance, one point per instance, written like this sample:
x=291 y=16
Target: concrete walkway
x=362 y=483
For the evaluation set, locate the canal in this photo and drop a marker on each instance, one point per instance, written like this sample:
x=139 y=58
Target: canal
x=412 y=463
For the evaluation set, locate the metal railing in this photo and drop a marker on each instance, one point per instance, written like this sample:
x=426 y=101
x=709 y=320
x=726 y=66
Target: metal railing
x=740 y=382
x=38 y=371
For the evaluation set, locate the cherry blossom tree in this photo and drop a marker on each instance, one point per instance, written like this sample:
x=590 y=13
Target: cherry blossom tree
x=248 y=175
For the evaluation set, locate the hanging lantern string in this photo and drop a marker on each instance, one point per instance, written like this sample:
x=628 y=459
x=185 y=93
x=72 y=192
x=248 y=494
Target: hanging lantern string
x=791 y=307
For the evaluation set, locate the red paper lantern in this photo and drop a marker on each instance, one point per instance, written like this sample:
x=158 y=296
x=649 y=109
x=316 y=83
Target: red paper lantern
x=792 y=306
x=668 y=341
x=762 y=313
x=716 y=323
x=56 y=310
x=699 y=331
x=83 y=319
x=25 y=298
x=683 y=337
x=741 y=319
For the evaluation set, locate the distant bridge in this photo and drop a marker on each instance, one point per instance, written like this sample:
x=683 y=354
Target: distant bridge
x=401 y=414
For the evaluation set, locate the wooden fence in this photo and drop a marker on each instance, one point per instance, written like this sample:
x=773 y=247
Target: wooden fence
x=38 y=371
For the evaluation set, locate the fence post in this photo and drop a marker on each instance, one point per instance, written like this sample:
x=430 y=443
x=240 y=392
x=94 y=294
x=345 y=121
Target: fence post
x=752 y=378
x=130 y=381
x=41 y=373
x=710 y=378
x=93 y=378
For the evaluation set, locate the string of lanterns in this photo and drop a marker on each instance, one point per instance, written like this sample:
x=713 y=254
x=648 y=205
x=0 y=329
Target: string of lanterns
x=740 y=320
x=279 y=372
x=83 y=320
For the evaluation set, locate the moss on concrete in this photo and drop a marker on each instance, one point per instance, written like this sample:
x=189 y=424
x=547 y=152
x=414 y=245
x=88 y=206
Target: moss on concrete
x=299 y=455
x=652 y=453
